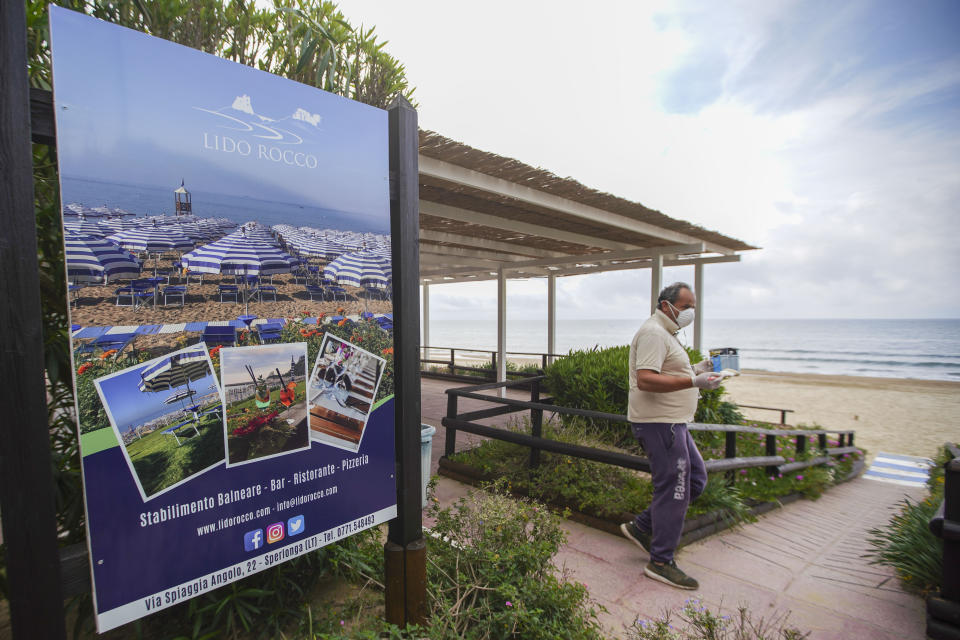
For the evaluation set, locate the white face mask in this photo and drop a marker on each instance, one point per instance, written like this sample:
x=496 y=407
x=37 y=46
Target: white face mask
x=683 y=318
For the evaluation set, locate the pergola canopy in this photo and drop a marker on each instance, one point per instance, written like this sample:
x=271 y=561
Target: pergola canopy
x=481 y=213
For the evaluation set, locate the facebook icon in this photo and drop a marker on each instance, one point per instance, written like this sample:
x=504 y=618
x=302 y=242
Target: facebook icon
x=253 y=540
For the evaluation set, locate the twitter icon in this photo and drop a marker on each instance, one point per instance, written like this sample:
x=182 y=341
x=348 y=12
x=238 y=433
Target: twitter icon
x=295 y=526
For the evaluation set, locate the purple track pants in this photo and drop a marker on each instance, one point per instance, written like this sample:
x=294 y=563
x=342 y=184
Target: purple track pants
x=679 y=476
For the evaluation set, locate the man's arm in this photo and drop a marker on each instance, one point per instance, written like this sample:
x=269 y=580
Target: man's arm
x=649 y=380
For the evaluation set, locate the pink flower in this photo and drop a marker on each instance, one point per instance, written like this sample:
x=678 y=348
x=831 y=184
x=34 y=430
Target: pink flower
x=743 y=472
x=509 y=604
x=799 y=477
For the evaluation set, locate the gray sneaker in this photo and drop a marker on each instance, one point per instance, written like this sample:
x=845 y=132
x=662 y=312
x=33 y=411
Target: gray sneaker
x=670 y=574
x=633 y=533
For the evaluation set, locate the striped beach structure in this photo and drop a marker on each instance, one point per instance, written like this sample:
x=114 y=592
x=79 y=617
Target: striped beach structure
x=899 y=469
x=238 y=255
x=96 y=259
x=152 y=239
x=84 y=226
x=359 y=269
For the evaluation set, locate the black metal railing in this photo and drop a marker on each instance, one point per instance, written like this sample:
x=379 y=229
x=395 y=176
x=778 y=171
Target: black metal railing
x=773 y=463
x=943 y=610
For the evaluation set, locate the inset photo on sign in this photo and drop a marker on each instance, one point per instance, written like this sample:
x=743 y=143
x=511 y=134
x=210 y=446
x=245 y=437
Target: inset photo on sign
x=265 y=391
x=342 y=387
x=166 y=415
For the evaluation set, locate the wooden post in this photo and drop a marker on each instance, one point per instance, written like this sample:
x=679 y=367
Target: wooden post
x=501 y=366
x=536 y=423
x=450 y=442
x=551 y=317
x=821 y=441
x=730 y=452
x=771 y=442
x=701 y=305
x=801 y=445
x=26 y=486
x=405 y=550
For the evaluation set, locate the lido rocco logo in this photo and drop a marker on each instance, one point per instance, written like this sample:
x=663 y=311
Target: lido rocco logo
x=261 y=137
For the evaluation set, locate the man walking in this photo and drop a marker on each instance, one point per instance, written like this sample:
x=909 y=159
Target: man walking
x=664 y=390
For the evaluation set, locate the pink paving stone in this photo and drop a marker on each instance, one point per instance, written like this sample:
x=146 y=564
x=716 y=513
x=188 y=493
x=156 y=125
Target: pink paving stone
x=716 y=557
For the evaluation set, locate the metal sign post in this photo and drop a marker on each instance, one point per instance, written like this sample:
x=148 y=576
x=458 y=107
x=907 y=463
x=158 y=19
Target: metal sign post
x=405 y=560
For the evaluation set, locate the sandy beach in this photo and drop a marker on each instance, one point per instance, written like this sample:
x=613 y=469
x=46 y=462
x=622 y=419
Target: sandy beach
x=912 y=417
x=96 y=304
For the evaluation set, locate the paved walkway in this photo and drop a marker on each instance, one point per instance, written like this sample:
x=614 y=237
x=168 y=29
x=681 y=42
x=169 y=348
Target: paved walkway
x=804 y=559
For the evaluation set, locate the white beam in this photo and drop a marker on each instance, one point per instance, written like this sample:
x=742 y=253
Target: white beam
x=494 y=256
x=698 y=315
x=656 y=280
x=551 y=316
x=427 y=235
x=474 y=217
x=604 y=258
x=476 y=180
x=426 y=319
x=502 y=330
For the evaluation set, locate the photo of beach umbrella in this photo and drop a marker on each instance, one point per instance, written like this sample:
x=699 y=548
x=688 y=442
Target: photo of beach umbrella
x=109 y=226
x=96 y=259
x=359 y=269
x=175 y=371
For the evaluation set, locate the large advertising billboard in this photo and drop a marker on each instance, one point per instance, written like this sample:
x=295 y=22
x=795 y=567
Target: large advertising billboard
x=228 y=255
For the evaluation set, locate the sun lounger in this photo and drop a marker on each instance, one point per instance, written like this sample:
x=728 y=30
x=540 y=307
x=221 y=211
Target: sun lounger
x=315 y=290
x=219 y=335
x=269 y=331
x=172 y=431
x=337 y=293
x=229 y=290
x=175 y=291
x=108 y=341
x=267 y=289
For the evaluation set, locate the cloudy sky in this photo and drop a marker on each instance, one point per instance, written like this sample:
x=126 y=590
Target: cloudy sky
x=825 y=133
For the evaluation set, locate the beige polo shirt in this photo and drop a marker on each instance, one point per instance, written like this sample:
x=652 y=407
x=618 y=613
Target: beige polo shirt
x=656 y=347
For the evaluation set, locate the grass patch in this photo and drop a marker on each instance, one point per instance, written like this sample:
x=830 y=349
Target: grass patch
x=160 y=463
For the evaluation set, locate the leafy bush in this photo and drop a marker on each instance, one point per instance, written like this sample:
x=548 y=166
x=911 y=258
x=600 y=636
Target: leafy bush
x=598 y=379
x=490 y=573
x=906 y=542
x=697 y=622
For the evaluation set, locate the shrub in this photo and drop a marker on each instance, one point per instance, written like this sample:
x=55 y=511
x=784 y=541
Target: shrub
x=906 y=542
x=697 y=622
x=598 y=379
x=491 y=575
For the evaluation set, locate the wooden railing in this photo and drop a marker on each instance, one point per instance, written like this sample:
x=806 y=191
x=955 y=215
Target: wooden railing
x=455 y=421
x=468 y=372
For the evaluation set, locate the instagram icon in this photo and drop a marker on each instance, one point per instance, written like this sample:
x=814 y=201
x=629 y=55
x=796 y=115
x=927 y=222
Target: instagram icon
x=275 y=532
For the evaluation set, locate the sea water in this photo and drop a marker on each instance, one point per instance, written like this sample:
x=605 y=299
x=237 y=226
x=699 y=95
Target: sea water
x=923 y=349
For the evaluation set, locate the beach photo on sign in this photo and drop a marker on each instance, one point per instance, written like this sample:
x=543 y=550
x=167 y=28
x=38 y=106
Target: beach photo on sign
x=265 y=390
x=342 y=389
x=166 y=414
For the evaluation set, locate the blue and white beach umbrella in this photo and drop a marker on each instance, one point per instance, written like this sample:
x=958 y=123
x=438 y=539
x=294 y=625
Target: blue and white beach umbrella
x=360 y=269
x=82 y=225
x=238 y=255
x=175 y=371
x=95 y=259
x=317 y=247
x=152 y=239
x=109 y=226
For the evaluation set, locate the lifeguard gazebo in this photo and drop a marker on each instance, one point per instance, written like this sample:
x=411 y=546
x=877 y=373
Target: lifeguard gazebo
x=183 y=204
x=489 y=217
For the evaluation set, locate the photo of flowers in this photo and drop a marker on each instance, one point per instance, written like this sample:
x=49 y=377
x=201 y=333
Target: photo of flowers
x=342 y=389
x=166 y=415
x=265 y=391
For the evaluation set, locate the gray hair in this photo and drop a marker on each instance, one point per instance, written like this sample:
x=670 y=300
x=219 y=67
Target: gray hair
x=671 y=293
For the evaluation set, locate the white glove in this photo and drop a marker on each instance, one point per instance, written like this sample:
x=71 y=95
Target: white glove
x=707 y=380
x=702 y=366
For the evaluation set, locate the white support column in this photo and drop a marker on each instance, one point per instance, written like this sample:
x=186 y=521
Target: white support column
x=656 y=280
x=698 y=317
x=502 y=329
x=551 y=316
x=426 y=320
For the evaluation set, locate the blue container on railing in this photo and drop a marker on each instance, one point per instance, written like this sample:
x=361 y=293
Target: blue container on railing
x=426 y=448
x=725 y=358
